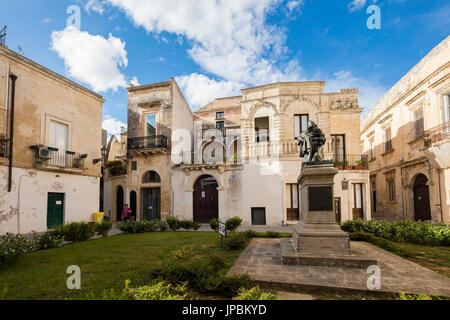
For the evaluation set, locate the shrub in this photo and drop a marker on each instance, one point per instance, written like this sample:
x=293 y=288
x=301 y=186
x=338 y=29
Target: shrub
x=255 y=294
x=163 y=226
x=196 y=225
x=250 y=234
x=201 y=274
x=12 y=247
x=48 y=240
x=161 y=291
x=422 y=233
x=139 y=226
x=214 y=223
x=403 y=296
x=233 y=223
x=111 y=294
x=186 y=224
x=235 y=241
x=174 y=223
x=76 y=231
x=103 y=228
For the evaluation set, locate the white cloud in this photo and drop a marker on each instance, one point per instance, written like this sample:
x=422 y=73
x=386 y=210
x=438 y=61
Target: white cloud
x=94 y=5
x=134 y=82
x=200 y=90
x=292 y=5
x=91 y=59
x=230 y=38
x=113 y=125
x=46 y=20
x=356 y=5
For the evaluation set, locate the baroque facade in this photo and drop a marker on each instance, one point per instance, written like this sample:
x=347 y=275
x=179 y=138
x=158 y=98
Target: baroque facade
x=54 y=128
x=406 y=137
x=237 y=156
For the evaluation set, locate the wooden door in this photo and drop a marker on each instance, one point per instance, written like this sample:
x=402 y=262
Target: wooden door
x=422 y=209
x=358 y=209
x=55 y=210
x=206 y=200
x=151 y=204
x=119 y=203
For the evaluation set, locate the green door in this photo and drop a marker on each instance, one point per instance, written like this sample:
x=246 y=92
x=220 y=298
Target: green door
x=55 y=210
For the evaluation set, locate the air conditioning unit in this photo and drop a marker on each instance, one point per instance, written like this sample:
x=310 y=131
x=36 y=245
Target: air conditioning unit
x=44 y=153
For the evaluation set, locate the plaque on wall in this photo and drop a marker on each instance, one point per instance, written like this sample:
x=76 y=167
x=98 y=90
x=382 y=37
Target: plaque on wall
x=345 y=185
x=320 y=198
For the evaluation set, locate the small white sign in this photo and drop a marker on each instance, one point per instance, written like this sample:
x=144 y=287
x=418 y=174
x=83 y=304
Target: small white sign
x=58 y=203
x=222 y=229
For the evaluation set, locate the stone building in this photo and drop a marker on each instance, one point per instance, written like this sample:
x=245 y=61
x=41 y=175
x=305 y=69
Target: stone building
x=238 y=156
x=54 y=127
x=406 y=136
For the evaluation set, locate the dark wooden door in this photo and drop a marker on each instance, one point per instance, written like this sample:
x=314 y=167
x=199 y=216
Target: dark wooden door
x=358 y=207
x=55 y=210
x=133 y=204
x=206 y=200
x=151 y=204
x=422 y=199
x=119 y=203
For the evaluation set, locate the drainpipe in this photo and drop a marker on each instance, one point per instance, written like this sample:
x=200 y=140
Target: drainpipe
x=11 y=126
x=440 y=194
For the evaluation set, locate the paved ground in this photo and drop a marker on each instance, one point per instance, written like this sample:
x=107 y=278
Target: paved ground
x=262 y=262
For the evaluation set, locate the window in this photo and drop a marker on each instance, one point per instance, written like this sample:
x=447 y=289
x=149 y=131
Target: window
x=58 y=135
x=133 y=165
x=391 y=190
x=418 y=123
x=374 y=197
x=151 y=177
x=358 y=210
x=372 y=149
x=338 y=147
x=387 y=139
x=300 y=124
x=220 y=125
x=151 y=128
x=259 y=216
x=446 y=108
x=220 y=115
x=262 y=133
x=292 y=205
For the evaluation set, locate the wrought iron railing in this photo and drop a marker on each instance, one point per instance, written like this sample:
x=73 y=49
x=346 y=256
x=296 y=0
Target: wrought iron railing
x=4 y=146
x=3 y=36
x=228 y=131
x=437 y=134
x=54 y=157
x=348 y=161
x=150 y=142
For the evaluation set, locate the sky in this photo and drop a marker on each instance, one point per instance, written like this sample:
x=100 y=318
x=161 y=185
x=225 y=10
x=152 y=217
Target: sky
x=214 y=48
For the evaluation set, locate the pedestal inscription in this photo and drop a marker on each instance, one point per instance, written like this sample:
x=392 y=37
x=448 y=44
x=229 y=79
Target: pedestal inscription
x=320 y=198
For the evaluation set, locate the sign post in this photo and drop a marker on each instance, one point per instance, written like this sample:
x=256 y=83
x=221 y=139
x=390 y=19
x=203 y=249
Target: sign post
x=222 y=232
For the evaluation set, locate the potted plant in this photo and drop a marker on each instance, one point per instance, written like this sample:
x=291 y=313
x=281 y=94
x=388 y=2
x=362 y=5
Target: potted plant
x=346 y=166
x=360 y=165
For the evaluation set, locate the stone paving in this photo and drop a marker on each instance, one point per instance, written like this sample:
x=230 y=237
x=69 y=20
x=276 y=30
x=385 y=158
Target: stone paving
x=262 y=262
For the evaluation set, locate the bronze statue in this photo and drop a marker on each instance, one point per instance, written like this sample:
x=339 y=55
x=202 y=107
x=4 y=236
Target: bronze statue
x=311 y=142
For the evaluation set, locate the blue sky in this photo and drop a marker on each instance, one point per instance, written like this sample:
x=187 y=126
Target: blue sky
x=213 y=48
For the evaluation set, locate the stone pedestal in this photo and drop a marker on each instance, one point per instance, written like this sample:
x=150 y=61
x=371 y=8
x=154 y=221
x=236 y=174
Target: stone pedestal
x=318 y=239
x=318 y=231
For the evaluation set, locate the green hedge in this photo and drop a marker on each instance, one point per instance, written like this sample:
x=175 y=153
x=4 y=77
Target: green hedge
x=422 y=233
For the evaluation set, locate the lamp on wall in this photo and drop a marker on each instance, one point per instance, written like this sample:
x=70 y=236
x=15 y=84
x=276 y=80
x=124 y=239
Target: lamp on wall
x=104 y=151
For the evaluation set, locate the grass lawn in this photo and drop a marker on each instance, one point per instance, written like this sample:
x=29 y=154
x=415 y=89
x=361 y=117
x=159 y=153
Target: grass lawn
x=105 y=263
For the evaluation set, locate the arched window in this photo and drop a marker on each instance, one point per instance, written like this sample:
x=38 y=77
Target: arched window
x=151 y=177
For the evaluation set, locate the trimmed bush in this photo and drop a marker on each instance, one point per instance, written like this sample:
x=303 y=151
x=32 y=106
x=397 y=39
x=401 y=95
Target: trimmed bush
x=214 y=224
x=12 y=247
x=163 y=226
x=48 y=240
x=186 y=224
x=422 y=233
x=202 y=275
x=103 y=228
x=174 y=223
x=235 y=241
x=139 y=226
x=233 y=223
x=254 y=294
x=76 y=231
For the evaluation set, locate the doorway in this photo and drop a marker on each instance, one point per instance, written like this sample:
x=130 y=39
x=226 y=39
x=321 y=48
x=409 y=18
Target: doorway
x=151 y=204
x=422 y=209
x=55 y=210
x=206 y=199
x=133 y=204
x=358 y=209
x=119 y=203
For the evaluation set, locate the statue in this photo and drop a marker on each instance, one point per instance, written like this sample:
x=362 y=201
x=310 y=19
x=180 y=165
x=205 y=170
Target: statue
x=311 y=142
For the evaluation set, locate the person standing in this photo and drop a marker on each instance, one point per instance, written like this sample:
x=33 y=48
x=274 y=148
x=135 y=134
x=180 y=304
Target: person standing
x=126 y=213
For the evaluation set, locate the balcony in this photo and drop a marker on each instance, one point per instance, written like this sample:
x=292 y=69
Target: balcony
x=349 y=161
x=150 y=144
x=208 y=133
x=60 y=159
x=437 y=134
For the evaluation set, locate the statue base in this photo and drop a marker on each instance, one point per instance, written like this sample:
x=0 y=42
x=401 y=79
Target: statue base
x=317 y=238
